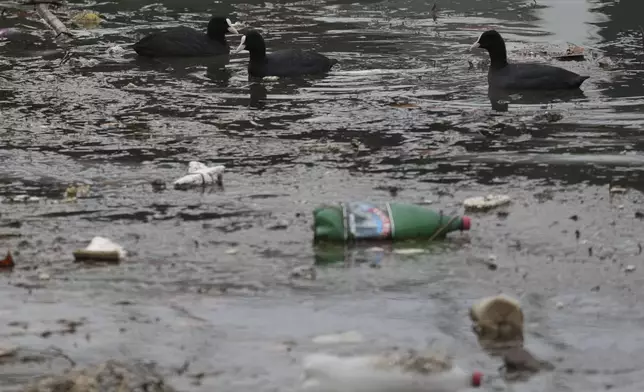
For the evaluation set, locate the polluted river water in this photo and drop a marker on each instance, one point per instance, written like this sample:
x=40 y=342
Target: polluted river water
x=405 y=116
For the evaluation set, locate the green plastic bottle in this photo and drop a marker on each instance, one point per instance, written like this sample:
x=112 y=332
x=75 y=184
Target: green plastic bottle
x=360 y=221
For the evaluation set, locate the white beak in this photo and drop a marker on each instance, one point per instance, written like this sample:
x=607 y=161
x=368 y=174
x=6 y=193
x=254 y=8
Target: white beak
x=475 y=45
x=231 y=28
x=241 y=46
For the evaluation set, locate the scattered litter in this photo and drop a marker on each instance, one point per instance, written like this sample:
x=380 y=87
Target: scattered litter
x=74 y=192
x=44 y=276
x=304 y=272
x=231 y=251
x=573 y=53
x=7 y=262
x=23 y=363
x=486 y=203
x=101 y=249
x=21 y=199
x=498 y=320
x=199 y=175
x=559 y=305
x=109 y=376
x=271 y=78
x=337 y=338
x=629 y=268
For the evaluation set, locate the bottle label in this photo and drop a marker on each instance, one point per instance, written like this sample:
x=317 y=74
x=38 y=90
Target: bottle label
x=368 y=221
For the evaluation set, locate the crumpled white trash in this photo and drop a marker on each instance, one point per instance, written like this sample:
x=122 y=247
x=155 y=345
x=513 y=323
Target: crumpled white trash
x=486 y=202
x=199 y=175
x=101 y=249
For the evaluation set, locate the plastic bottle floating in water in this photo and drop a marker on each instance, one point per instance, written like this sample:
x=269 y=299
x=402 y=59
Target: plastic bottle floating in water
x=358 y=221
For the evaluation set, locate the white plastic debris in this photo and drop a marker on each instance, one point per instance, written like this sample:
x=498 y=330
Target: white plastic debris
x=337 y=338
x=385 y=373
x=486 y=202
x=102 y=244
x=199 y=175
x=629 y=268
x=101 y=249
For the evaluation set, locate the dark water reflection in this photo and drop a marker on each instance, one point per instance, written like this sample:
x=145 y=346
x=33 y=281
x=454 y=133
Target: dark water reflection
x=403 y=116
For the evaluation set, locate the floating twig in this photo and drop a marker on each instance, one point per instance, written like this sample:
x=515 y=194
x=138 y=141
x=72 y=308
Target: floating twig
x=51 y=19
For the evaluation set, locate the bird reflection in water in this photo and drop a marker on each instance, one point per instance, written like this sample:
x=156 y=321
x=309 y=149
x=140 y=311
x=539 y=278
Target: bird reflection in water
x=501 y=99
x=258 y=95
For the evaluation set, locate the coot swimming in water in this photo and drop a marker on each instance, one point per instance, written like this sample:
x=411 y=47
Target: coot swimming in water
x=285 y=62
x=187 y=42
x=522 y=76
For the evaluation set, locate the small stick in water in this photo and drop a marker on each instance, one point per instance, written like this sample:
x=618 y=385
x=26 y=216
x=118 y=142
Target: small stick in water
x=51 y=19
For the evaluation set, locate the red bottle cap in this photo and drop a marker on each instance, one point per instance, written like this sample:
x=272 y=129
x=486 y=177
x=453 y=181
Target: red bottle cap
x=476 y=379
x=467 y=222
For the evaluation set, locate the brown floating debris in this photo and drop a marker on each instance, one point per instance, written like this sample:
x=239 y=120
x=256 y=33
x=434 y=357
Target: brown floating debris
x=109 y=376
x=498 y=321
x=7 y=262
x=573 y=53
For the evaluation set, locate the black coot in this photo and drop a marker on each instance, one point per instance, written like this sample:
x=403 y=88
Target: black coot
x=286 y=62
x=522 y=76
x=187 y=42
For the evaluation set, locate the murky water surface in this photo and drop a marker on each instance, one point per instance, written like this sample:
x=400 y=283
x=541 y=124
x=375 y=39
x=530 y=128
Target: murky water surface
x=208 y=275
